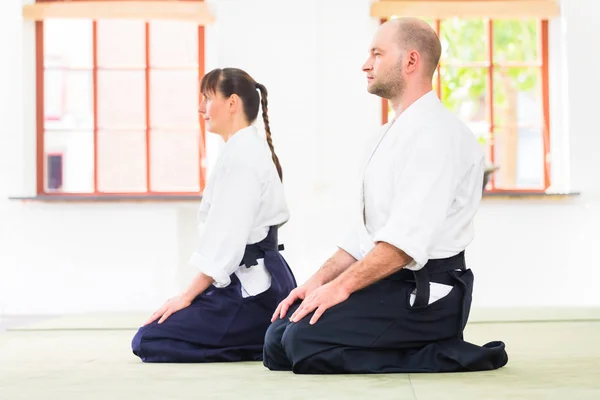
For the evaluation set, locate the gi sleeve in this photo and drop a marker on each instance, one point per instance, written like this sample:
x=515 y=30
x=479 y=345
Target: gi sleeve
x=424 y=188
x=351 y=244
x=231 y=216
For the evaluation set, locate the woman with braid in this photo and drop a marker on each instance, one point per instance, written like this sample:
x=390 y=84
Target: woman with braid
x=225 y=312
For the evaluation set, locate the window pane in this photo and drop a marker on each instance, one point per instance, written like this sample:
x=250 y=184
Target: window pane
x=121 y=43
x=519 y=153
x=515 y=40
x=174 y=99
x=465 y=92
x=68 y=97
x=463 y=40
x=77 y=150
x=173 y=44
x=517 y=99
x=121 y=99
x=122 y=161
x=68 y=43
x=54 y=176
x=174 y=165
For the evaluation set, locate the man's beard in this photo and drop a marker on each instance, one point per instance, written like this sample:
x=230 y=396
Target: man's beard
x=394 y=85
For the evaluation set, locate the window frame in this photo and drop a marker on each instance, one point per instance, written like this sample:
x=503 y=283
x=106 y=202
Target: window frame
x=40 y=123
x=542 y=63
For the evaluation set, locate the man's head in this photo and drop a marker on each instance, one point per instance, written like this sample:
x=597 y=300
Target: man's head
x=403 y=52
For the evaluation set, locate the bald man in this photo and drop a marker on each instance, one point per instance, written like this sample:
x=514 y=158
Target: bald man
x=396 y=295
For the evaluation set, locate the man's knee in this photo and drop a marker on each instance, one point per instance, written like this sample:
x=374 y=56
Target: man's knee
x=274 y=356
x=274 y=333
x=277 y=328
x=300 y=340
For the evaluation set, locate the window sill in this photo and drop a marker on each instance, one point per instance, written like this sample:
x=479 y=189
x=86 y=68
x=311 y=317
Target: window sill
x=94 y=198
x=525 y=195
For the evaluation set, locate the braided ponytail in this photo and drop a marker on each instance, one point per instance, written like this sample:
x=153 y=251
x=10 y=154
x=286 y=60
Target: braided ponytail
x=264 y=103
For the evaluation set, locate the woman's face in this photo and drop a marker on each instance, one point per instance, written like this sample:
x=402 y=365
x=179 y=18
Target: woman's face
x=215 y=111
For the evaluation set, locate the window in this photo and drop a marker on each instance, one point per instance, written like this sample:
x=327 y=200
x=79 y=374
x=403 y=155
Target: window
x=119 y=100
x=494 y=75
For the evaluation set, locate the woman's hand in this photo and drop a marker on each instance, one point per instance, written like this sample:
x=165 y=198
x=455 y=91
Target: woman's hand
x=171 y=306
x=200 y=283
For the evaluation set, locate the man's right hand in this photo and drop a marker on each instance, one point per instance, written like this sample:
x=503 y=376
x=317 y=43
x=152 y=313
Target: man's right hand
x=336 y=264
x=299 y=293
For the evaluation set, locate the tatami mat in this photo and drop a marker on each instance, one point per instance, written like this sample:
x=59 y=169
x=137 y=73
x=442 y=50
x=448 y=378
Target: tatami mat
x=548 y=360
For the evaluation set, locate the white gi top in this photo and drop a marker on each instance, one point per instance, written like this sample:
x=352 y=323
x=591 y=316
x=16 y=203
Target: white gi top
x=421 y=185
x=242 y=199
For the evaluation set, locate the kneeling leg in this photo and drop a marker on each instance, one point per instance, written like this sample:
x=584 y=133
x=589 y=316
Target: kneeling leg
x=274 y=355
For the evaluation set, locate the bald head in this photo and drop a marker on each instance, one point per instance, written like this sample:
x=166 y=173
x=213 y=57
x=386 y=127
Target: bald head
x=416 y=34
x=403 y=57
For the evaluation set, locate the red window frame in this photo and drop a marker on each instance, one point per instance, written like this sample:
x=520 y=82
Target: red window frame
x=40 y=118
x=542 y=64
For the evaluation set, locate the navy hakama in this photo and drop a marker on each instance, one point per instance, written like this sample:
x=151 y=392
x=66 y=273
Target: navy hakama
x=377 y=330
x=221 y=325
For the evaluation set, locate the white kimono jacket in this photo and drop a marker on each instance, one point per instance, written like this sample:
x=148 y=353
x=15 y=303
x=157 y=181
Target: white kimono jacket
x=421 y=186
x=242 y=199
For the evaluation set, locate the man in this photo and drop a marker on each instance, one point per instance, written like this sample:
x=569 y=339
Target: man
x=396 y=295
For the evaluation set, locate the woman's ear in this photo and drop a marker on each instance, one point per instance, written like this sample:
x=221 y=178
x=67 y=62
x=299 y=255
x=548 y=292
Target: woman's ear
x=233 y=103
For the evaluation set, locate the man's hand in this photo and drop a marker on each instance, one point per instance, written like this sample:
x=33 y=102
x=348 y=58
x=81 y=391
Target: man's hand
x=170 y=307
x=299 y=293
x=320 y=300
x=333 y=267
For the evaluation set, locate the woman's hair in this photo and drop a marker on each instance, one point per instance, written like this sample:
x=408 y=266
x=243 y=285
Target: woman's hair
x=228 y=81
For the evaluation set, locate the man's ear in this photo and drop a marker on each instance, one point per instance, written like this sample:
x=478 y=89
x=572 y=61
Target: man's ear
x=412 y=61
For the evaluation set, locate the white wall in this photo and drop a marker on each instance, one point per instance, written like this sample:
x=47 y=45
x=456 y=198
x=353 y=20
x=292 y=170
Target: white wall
x=131 y=256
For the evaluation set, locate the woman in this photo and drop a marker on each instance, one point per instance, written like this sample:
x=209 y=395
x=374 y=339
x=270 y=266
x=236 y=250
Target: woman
x=225 y=312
